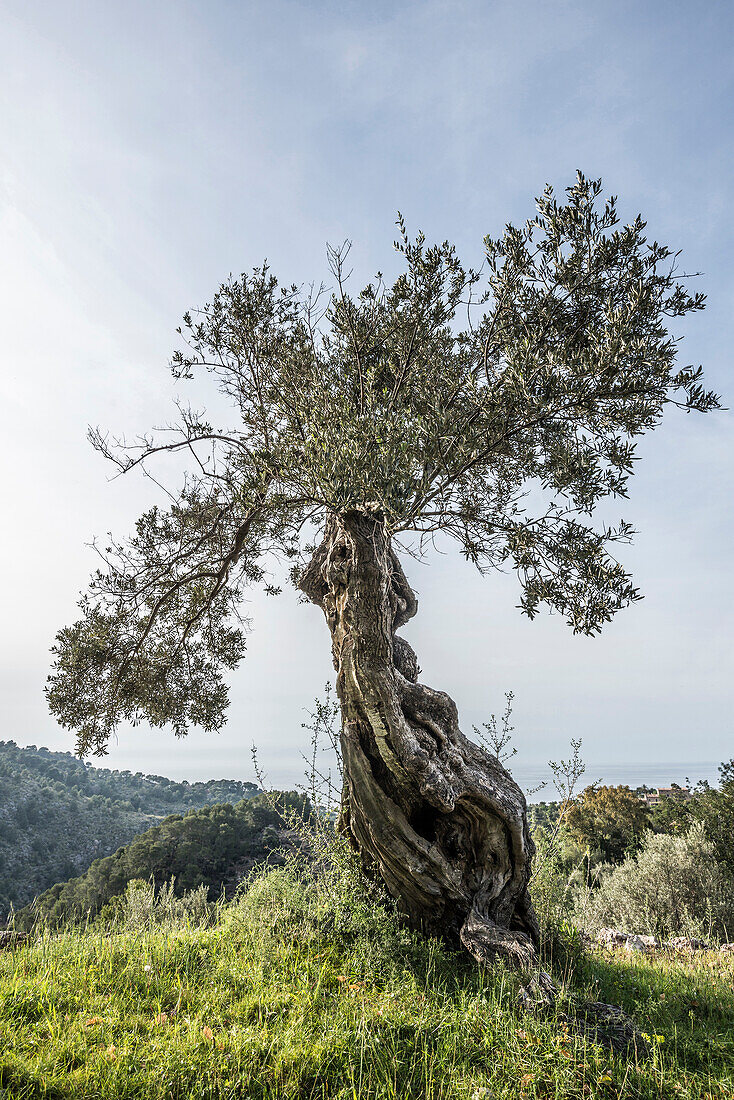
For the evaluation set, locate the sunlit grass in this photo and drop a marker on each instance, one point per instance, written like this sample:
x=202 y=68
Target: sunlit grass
x=301 y=992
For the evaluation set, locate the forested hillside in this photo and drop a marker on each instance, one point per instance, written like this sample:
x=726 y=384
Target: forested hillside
x=58 y=814
x=214 y=847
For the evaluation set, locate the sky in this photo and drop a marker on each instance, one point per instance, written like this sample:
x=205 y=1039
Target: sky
x=149 y=149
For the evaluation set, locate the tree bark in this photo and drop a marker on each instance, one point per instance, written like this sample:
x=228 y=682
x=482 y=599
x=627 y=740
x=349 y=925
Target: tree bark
x=435 y=815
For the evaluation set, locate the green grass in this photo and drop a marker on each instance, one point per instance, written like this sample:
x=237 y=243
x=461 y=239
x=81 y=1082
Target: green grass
x=310 y=989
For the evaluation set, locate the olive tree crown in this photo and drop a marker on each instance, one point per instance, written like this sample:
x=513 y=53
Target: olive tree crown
x=498 y=406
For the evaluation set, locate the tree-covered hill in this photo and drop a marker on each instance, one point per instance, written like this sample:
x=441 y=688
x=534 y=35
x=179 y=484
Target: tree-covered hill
x=58 y=814
x=214 y=847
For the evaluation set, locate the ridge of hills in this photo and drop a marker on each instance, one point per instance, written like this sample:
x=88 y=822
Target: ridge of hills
x=210 y=850
x=58 y=814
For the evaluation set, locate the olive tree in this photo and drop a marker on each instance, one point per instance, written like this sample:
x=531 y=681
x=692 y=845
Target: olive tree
x=496 y=406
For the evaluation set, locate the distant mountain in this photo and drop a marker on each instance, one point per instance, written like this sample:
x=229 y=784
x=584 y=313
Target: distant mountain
x=214 y=847
x=58 y=814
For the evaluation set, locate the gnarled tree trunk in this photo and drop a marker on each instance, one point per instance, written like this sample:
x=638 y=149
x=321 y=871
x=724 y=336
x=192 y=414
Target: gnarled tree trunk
x=435 y=815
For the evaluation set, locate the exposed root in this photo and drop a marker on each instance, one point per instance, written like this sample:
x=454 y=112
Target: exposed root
x=594 y=1021
x=487 y=942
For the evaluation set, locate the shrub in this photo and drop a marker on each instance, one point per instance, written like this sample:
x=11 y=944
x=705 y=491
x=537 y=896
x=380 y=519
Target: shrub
x=142 y=909
x=673 y=886
x=715 y=809
x=549 y=885
x=323 y=893
x=612 y=819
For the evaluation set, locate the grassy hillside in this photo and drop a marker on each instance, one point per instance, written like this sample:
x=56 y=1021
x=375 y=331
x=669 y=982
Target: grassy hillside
x=58 y=814
x=306 y=987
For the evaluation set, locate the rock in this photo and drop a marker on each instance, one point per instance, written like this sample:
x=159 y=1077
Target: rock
x=609 y=1026
x=687 y=943
x=635 y=943
x=650 y=942
x=727 y=947
x=611 y=937
x=8 y=938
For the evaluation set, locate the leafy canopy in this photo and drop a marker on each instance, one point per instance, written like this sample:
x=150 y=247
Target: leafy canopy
x=714 y=808
x=611 y=819
x=499 y=406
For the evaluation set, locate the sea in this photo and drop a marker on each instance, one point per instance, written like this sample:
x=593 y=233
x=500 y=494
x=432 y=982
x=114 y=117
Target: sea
x=634 y=774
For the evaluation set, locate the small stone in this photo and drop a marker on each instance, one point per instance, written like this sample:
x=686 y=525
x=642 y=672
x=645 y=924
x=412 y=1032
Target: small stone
x=687 y=943
x=9 y=938
x=635 y=943
x=611 y=937
x=608 y=1025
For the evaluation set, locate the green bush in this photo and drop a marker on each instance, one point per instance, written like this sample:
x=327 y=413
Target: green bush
x=674 y=886
x=142 y=908
x=324 y=894
x=549 y=885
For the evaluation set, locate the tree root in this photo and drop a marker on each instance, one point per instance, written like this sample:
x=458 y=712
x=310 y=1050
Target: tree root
x=595 y=1021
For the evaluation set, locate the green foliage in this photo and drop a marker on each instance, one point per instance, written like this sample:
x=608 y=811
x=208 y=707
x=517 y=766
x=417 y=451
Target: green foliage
x=671 y=815
x=336 y=901
x=681 y=882
x=305 y=989
x=57 y=814
x=543 y=815
x=142 y=907
x=213 y=847
x=383 y=401
x=611 y=820
x=673 y=886
x=714 y=808
x=550 y=885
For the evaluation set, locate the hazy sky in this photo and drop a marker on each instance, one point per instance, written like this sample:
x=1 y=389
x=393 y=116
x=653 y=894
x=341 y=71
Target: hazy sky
x=149 y=149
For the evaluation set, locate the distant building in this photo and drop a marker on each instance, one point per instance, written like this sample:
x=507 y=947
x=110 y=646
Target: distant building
x=680 y=794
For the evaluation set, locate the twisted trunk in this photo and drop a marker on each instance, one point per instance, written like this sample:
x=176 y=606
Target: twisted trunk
x=436 y=816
